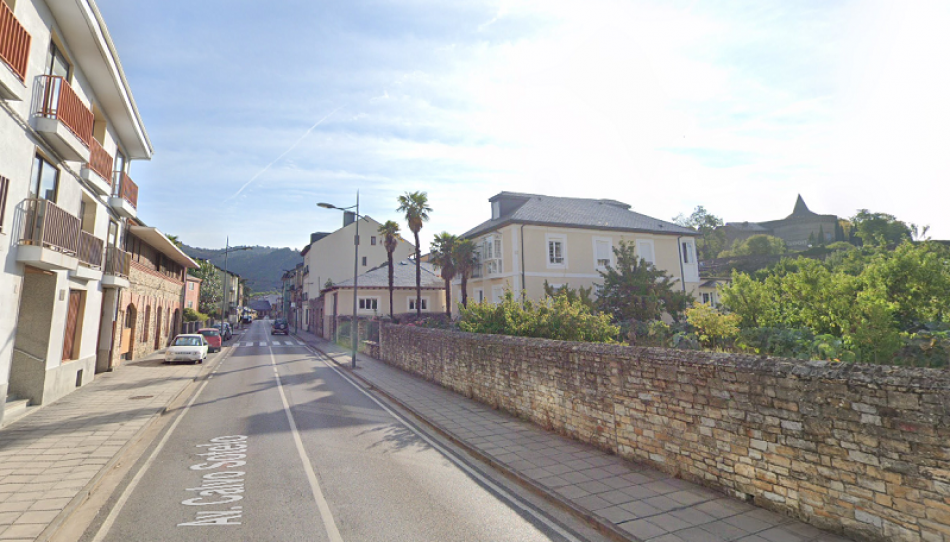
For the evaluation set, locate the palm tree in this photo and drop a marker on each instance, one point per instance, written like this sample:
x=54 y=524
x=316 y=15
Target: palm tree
x=464 y=257
x=415 y=206
x=442 y=256
x=391 y=231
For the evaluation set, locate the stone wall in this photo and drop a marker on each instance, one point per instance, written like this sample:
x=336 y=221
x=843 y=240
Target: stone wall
x=859 y=449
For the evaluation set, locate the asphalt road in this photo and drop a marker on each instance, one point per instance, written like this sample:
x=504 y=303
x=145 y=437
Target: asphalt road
x=279 y=445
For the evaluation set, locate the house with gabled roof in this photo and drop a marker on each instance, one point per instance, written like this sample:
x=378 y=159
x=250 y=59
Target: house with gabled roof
x=372 y=294
x=532 y=238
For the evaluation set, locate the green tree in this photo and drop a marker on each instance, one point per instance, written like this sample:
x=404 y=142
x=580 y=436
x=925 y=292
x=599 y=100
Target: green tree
x=465 y=257
x=209 y=300
x=713 y=239
x=879 y=228
x=174 y=240
x=441 y=255
x=581 y=295
x=415 y=207
x=715 y=330
x=635 y=289
x=756 y=245
x=390 y=232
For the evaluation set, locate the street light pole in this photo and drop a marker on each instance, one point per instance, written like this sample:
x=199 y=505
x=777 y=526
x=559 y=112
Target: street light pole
x=354 y=327
x=224 y=281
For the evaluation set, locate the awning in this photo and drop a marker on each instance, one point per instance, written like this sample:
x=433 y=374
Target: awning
x=161 y=243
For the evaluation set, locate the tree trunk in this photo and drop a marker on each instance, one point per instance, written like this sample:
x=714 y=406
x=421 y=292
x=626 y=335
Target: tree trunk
x=448 y=298
x=464 y=290
x=418 y=276
x=391 y=317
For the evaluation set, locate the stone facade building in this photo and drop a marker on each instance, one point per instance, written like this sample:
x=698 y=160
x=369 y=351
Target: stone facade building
x=799 y=229
x=150 y=308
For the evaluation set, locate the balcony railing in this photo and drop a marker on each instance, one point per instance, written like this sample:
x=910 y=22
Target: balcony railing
x=14 y=42
x=118 y=262
x=90 y=250
x=126 y=189
x=100 y=161
x=48 y=226
x=60 y=102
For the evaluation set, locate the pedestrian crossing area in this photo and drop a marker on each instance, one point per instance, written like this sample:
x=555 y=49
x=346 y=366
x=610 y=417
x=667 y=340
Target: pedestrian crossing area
x=274 y=344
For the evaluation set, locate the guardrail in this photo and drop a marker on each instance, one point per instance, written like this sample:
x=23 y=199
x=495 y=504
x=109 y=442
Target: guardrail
x=48 y=226
x=100 y=161
x=118 y=262
x=60 y=101
x=126 y=189
x=14 y=42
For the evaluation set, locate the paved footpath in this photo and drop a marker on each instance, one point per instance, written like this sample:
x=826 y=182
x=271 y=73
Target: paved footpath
x=52 y=458
x=629 y=500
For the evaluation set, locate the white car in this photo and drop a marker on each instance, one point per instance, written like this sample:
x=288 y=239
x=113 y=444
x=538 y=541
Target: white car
x=193 y=348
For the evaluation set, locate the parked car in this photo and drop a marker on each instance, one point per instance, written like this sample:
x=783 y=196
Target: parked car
x=225 y=329
x=280 y=327
x=213 y=336
x=193 y=348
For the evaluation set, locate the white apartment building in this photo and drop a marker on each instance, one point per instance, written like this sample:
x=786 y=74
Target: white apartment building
x=329 y=258
x=69 y=128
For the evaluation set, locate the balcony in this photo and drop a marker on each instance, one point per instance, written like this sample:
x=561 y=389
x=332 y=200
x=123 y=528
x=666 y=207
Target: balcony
x=98 y=172
x=116 y=268
x=49 y=236
x=63 y=118
x=126 y=196
x=15 y=54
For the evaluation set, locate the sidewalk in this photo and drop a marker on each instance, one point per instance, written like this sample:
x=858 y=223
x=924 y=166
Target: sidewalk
x=52 y=458
x=628 y=500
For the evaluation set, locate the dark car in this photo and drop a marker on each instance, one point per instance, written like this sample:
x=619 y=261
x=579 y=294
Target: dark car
x=225 y=329
x=280 y=327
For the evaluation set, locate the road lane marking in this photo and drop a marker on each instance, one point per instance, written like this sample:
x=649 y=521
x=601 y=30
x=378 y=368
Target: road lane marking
x=114 y=513
x=514 y=499
x=328 y=522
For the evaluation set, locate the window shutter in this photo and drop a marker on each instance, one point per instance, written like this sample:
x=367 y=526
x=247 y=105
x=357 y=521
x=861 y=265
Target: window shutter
x=645 y=251
x=603 y=252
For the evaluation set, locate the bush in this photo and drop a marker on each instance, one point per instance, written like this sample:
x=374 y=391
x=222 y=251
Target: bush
x=191 y=315
x=553 y=318
x=713 y=329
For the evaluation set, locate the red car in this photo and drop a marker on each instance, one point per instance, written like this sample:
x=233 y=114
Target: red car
x=213 y=336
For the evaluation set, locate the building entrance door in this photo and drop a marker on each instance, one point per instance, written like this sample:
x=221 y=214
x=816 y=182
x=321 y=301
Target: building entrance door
x=72 y=325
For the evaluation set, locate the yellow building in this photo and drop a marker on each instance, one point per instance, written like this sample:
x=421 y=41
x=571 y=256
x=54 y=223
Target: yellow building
x=533 y=238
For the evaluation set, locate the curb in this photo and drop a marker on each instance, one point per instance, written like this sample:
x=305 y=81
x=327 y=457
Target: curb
x=93 y=484
x=593 y=520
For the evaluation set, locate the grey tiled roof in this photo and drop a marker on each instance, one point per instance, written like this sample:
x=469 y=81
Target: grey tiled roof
x=604 y=214
x=404 y=276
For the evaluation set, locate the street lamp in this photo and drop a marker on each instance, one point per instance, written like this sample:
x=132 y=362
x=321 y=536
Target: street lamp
x=356 y=266
x=224 y=282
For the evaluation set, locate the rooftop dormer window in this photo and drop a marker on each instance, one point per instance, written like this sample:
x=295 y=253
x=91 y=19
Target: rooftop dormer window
x=495 y=210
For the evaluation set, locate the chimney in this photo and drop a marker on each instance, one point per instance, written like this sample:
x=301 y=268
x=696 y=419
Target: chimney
x=348 y=218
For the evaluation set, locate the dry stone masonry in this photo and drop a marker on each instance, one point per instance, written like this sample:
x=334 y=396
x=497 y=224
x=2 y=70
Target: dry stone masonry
x=863 y=450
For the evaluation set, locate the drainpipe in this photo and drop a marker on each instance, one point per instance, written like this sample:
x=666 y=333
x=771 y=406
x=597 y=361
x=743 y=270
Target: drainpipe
x=524 y=287
x=679 y=250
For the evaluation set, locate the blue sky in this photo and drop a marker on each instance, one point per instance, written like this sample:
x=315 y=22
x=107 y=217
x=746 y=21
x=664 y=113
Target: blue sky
x=736 y=106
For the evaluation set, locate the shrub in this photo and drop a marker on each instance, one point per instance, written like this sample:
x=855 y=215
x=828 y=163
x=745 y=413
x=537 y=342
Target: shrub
x=191 y=315
x=713 y=329
x=553 y=318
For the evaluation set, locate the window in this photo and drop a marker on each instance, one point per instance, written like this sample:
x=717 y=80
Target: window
x=372 y=240
x=479 y=295
x=497 y=294
x=602 y=252
x=4 y=187
x=706 y=298
x=492 y=251
x=556 y=246
x=364 y=261
x=412 y=303
x=369 y=303
x=45 y=179
x=191 y=286
x=113 y=237
x=689 y=256
x=645 y=250
x=56 y=62
x=191 y=304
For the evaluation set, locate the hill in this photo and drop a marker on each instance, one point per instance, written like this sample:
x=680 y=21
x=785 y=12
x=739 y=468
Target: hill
x=261 y=266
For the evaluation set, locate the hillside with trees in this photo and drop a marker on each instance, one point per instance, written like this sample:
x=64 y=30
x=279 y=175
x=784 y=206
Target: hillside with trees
x=260 y=266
